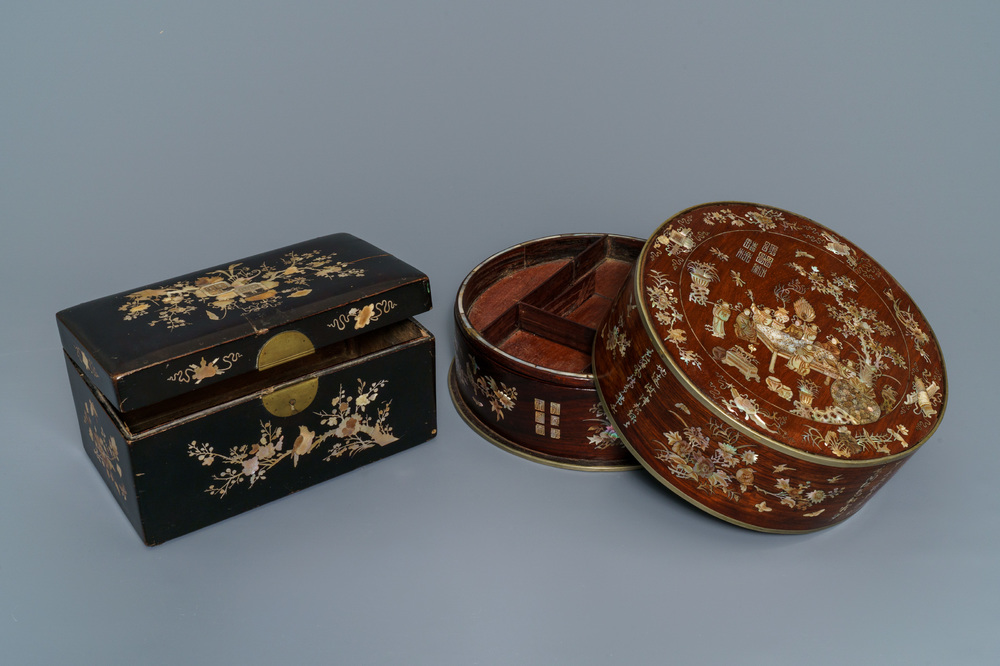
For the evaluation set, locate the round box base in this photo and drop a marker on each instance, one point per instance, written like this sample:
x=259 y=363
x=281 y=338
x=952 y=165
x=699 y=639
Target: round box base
x=484 y=430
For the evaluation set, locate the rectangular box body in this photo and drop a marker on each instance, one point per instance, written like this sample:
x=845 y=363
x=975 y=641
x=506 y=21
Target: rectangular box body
x=288 y=413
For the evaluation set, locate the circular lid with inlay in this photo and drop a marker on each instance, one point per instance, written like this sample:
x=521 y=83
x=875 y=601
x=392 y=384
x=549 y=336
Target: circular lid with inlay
x=791 y=333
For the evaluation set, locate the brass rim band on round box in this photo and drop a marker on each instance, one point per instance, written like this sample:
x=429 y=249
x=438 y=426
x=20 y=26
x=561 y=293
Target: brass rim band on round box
x=684 y=496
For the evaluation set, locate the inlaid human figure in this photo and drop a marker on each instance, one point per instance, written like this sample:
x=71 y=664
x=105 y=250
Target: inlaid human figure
x=744 y=326
x=796 y=329
x=833 y=346
x=720 y=315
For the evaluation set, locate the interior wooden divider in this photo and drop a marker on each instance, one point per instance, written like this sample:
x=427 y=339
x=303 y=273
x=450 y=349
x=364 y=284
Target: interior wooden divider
x=558 y=282
x=578 y=293
x=546 y=310
x=543 y=302
x=503 y=326
x=555 y=328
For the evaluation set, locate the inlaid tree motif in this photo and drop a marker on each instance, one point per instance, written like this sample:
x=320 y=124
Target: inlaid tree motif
x=665 y=302
x=354 y=423
x=105 y=449
x=857 y=322
x=602 y=433
x=502 y=398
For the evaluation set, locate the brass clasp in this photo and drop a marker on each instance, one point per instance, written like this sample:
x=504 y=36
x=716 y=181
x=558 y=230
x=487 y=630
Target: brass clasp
x=291 y=400
x=282 y=348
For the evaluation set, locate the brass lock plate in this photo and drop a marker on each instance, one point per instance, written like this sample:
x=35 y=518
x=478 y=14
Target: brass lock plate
x=282 y=348
x=291 y=400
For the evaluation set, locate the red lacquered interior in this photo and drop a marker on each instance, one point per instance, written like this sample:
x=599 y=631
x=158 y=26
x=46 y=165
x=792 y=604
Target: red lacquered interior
x=499 y=296
x=542 y=301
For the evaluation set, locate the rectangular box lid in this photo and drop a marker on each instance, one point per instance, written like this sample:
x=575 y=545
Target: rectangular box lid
x=145 y=345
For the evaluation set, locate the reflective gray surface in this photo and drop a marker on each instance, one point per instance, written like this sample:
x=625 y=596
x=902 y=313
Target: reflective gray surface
x=141 y=142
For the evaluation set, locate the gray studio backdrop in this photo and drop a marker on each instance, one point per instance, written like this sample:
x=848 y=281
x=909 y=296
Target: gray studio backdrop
x=139 y=141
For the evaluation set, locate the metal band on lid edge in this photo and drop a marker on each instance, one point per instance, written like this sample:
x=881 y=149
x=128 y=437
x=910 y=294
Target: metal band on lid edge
x=714 y=409
x=659 y=477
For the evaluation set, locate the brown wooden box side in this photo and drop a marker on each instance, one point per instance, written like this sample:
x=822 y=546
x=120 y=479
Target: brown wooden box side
x=709 y=462
x=525 y=320
x=552 y=421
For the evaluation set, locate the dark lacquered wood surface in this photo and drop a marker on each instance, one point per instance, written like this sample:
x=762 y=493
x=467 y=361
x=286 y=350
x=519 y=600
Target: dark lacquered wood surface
x=184 y=334
x=177 y=476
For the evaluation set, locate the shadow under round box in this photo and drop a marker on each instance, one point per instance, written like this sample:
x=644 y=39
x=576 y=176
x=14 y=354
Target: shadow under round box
x=766 y=369
x=209 y=394
x=525 y=323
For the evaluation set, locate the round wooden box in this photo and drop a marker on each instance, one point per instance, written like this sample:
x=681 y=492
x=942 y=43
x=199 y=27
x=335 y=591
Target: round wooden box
x=766 y=369
x=525 y=320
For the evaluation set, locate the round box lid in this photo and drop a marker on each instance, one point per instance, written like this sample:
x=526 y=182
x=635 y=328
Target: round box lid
x=790 y=333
